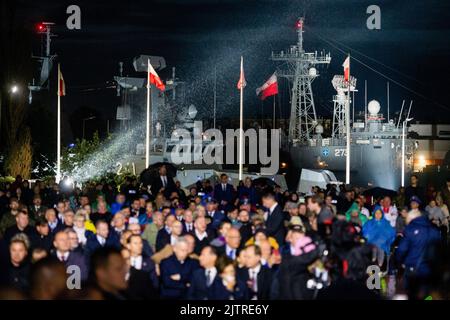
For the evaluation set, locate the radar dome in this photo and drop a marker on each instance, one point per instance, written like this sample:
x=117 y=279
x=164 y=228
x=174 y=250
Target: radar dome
x=374 y=107
x=313 y=72
x=319 y=129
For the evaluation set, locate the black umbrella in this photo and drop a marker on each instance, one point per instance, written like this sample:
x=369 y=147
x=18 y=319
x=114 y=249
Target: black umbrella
x=264 y=182
x=379 y=192
x=152 y=172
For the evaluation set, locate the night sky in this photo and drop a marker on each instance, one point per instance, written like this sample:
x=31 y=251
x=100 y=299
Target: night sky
x=195 y=35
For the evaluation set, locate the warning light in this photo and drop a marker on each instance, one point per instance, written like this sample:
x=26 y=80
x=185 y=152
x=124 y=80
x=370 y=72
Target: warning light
x=41 y=27
x=299 y=24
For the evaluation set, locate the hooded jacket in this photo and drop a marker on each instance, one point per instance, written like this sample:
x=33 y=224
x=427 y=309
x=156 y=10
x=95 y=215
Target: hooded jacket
x=379 y=232
x=419 y=234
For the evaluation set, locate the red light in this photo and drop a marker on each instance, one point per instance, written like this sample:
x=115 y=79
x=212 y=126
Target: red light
x=299 y=24
x=41 y=27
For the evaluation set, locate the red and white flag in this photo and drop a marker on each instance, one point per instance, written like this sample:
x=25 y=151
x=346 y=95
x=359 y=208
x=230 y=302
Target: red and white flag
x=269 y=88
x=242 y=83
x=154 y=78
x=346 y=66
x=61 y=83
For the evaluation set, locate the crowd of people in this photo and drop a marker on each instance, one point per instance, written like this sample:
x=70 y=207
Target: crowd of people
x=218 y=242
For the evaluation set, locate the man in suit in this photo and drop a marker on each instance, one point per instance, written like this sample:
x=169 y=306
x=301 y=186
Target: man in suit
x=274 y=218
x=151 y=229
x=140 y=261
x=232 y=244
x=188 y=221
x=140 y=286
x=202 y=236
x=21 y=226
x=163 y=235
x=42 y=237
x=176 y=271
x=216 y=216
x=100 y=239
x=163 y=183
x=37 y=209
x=224 y=193
x=53 y=222
x=69 y=258
x=257 y=277
x=203 y=278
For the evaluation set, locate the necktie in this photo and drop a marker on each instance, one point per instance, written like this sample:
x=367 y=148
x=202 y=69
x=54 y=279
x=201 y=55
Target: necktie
x=232 y=254
x=164 y=182
x=63 y=258
x=224 y=187
x=253 y=279
x=208 y=277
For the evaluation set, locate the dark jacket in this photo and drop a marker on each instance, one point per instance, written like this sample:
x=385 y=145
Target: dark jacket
x=12 y=231
x=198 y=289
x=162 y=239
x=157 y=185
x=40 y=241
x=217 y=218
x=140 y=286
x=217 y=291
x=92 y=244
x=419 y=234
x=292 y=277
x=275 y=225
x=200 y=244
x=264 y=282
x=227 y=195
x=176 y=289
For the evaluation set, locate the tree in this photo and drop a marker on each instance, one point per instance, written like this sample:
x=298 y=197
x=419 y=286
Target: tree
x=15 y=66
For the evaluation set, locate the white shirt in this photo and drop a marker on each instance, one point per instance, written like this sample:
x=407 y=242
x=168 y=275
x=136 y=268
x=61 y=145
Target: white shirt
x=62 y=256
x=101 y=240
x=228 y=251
x=201 y=236
x=173 y=240
x=136 y=262
x=189 y=227
x=212 y=274
x=253 y=274
x=267 y=214
x=164 y=180
x=224 y=187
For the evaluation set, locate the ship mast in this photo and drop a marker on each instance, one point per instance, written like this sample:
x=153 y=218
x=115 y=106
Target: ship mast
x=302 y=72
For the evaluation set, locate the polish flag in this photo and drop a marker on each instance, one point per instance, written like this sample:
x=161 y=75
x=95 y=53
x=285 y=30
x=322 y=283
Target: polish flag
x=242 y=83
x=346 y=66
x=269 y=88
x=154 y=78
x=61 y=83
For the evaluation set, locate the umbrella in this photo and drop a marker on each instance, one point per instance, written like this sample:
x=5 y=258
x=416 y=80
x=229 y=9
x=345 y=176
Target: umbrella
x=379 y=192
x=147 y=175
x=264 y=182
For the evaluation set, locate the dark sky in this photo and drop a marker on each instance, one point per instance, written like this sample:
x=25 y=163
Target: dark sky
x=194 y=35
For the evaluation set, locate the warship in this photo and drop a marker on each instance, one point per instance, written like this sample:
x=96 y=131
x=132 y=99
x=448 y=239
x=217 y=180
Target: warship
x=379 y=147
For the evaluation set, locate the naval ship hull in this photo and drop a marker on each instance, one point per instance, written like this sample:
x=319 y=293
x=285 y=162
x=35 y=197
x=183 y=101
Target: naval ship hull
x=373 y=163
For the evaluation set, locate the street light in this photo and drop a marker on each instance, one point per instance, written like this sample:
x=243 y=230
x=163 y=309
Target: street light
x=84 y=123
x=403 y=148
x=14 y=89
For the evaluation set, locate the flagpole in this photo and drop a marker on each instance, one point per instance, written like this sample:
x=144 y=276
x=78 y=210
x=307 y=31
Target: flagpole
x=241 y=123
x=273 y=125
x=347 y=120
x=58 y=135
x=147 y=122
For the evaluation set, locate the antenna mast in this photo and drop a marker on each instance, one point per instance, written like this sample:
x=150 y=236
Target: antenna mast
x=302 y=72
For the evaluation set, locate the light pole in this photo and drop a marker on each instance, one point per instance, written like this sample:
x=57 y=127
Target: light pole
x=403 y=148
x=84 y=123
